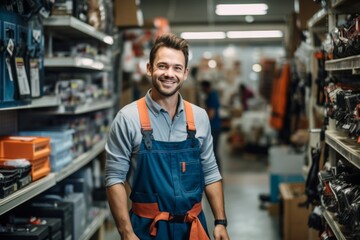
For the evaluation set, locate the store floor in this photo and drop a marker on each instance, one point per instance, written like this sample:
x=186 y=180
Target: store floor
x=245 y=177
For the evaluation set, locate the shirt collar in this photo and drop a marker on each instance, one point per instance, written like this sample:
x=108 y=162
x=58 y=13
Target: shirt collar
x=155 y=108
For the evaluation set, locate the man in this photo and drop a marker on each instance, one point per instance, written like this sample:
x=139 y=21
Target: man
x=245 y=95
x=212 y=105
x=162 y=146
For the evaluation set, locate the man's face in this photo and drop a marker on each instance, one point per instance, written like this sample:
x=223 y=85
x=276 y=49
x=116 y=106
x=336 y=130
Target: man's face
x=168 y=71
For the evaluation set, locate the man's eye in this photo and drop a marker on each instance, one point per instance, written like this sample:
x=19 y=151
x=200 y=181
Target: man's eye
x=178 y=69
x=162 y=67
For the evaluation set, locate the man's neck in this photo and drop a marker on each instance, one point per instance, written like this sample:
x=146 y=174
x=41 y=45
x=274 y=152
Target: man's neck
x=170 y=104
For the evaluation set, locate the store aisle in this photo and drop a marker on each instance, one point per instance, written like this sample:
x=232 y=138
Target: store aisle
x=245 y=177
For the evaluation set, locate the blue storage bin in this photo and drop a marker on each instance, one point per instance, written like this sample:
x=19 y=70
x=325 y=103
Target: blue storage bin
x=276 y=179
x=60 y=160
x=61 y=142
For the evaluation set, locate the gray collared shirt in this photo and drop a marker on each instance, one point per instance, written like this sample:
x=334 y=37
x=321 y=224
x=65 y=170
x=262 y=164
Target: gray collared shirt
x=125 y=136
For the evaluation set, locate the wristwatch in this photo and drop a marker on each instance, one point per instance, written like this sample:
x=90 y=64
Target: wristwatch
x=221 y=222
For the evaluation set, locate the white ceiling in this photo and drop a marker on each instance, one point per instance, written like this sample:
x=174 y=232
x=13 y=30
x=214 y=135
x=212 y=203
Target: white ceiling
x=194 y=15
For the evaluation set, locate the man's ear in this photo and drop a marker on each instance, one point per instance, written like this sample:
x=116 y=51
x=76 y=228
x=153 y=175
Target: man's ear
x=186 y=73
x=148 y=69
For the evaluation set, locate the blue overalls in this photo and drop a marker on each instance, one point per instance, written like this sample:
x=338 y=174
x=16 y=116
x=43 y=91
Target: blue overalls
x=168 y=185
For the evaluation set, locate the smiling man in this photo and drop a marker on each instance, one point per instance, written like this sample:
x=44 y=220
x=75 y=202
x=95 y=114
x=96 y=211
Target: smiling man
x=161 y=145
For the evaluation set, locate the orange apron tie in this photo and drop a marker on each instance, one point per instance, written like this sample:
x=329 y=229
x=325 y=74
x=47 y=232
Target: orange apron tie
x=151 y=210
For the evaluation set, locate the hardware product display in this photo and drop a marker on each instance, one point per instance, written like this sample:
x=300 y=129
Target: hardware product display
x=26 y=232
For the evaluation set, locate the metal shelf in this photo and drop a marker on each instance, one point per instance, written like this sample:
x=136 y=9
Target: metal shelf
x=335 y=227
x=41 y=185
x=72 y=28
x=98 y=220
x=347 y=147
x=348 y=63
x=45 y=101
x=26 y=193
x=78 y=63
x=345 y=6
x=89 y=107
x=80 y=161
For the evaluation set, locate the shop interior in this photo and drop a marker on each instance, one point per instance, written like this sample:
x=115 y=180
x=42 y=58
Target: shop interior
x=285 y=73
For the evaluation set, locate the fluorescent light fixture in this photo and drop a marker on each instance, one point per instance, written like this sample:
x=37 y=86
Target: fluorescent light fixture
x=241 y=9
x=255 y=34
x=203 y=35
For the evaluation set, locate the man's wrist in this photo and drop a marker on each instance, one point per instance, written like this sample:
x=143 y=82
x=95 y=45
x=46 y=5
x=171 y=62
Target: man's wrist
x=221 y=222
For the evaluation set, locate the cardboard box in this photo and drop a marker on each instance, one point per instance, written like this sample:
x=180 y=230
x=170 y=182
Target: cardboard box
x=127 y=14
x=294 y=217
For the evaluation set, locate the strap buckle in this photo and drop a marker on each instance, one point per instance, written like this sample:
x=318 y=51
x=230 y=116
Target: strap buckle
x=147 y=136
x=191 y=133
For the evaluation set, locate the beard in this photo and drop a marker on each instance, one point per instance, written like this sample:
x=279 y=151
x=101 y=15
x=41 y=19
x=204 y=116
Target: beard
x=158 y=88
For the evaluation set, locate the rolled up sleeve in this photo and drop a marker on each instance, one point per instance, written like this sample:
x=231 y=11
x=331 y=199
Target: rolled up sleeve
x=208 y=160
x=118 y=151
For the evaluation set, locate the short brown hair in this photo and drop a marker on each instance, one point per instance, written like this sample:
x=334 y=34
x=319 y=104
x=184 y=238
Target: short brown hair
x=170 y=40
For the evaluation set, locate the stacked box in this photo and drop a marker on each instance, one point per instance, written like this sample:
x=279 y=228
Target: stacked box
x=294 y=218
x=14 y=175
x=27 y=232
x=61 y=146
x=34 y=149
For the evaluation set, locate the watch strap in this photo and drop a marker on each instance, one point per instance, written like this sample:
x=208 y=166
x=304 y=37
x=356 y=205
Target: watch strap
x=221 y=222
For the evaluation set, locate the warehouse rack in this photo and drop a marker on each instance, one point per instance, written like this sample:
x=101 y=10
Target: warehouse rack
x=340 y=144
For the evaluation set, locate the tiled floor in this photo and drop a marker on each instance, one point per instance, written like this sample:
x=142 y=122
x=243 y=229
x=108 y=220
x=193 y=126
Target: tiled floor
x=245 y=177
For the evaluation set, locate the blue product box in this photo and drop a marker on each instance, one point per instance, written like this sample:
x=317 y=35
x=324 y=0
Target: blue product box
x=276 y=179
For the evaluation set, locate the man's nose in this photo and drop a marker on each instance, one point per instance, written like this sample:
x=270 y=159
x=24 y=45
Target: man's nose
x=169 y=72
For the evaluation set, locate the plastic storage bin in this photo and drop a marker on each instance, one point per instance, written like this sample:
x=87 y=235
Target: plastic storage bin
x=61 y=146
x=34 y=149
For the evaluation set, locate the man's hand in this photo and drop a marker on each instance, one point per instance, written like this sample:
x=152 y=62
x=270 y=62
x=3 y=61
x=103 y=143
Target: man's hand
x=220 y=233
x=129 y=236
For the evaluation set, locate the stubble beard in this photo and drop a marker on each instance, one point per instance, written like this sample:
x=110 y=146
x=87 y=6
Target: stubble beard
x=163 y=93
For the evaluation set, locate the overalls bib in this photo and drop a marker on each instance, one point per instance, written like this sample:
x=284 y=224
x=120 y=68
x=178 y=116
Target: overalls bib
x=168 y=185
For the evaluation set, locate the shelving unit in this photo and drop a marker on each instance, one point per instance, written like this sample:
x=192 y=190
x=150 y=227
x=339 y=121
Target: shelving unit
x=339 y=142
x=78 y=63
x=347 y=147
x=43 y=102
x=73 y=28
x=65 y=28
x=335 y=227
x=43 y=184
x=80 y=109
x=349 y=63
x=80 y=161
x=28 y=192
x=95 y=224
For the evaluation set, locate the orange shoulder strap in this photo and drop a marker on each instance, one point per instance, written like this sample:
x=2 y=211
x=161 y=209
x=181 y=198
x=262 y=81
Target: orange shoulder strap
x=189 y=116
x=145 y=119
x=143 y=114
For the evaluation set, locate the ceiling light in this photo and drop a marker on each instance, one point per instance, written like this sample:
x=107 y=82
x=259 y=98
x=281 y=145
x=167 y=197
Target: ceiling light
x=256 y=67
x=255 y=34
x=212 y=63
x=241 y=9
x=203 y=35
x=249 y=19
